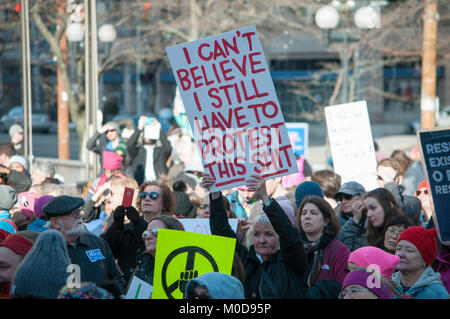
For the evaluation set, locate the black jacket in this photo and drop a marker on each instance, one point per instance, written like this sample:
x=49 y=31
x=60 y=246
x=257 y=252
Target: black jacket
x=101 y=266
x=285 y=269
x=145 y=267
x=21 y=182
x=126 y=245
x=138 y=156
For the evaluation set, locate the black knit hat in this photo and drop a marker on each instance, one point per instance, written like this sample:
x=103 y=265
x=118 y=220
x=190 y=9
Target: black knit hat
x=183 y=206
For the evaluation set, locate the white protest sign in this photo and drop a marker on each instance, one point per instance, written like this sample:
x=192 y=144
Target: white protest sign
x=139 y=289
x=351 y=143
x=233 y=110
x=201 y=225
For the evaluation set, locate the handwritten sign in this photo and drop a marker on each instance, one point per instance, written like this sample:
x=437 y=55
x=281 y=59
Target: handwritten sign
x=435 y=149
x=201 y=225
x=181 y=256
x=351 y=143
x=139 y=289
x=232 y=107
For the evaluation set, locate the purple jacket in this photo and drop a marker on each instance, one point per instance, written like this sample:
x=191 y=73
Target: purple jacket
x=334 y=262
x=443 y=266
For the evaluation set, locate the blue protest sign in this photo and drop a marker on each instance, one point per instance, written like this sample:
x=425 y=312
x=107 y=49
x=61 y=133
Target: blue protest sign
x=298 y=135
x=435 y=148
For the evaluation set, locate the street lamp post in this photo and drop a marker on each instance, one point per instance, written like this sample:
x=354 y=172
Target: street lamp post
x=26 y=75
x=327 y=18
x=107 y=34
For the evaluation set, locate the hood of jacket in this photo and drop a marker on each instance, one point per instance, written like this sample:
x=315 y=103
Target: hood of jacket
x=427 y=278
x=219 y=285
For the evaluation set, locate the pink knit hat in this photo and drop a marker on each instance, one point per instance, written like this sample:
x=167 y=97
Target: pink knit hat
x=111 y=160
x=369 y=255
x=26 y=201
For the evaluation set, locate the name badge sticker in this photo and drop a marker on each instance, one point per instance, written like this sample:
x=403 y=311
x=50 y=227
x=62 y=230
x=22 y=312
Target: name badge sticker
x=95 y=255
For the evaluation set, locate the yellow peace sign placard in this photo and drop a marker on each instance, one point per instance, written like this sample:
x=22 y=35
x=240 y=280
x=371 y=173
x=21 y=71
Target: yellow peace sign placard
x=181 y=256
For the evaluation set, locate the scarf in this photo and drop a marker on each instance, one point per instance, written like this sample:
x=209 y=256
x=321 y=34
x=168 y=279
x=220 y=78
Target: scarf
x=315 y=249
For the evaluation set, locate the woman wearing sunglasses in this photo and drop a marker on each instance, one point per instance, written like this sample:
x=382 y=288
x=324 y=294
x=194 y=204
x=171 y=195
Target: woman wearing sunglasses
x=426 y=202
x=155 y=198
x=274 y=261
x=145 y=262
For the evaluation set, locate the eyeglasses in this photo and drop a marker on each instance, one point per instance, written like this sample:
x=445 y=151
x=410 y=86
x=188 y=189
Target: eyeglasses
x=351 y=292
x=153 y=232
x=394 y=232
x=420 y=191
x=152 y=195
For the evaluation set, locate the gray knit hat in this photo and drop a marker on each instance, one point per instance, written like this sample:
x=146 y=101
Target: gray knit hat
x=115 y=125
x=43 y=272
x=8 y=197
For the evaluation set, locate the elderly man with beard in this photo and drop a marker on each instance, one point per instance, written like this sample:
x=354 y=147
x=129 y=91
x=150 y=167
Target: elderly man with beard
x=91 y=253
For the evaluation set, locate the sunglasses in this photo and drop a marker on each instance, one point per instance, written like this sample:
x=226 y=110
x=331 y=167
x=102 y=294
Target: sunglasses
x=346 y=196
x=152 y=195
x=153 y=232
x=420 y=191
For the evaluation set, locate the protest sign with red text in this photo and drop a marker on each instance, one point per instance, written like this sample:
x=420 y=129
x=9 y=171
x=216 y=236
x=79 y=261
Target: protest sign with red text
x=233 y=110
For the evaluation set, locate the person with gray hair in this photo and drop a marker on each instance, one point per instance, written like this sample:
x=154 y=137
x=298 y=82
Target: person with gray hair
x=41 y=171
x=90 y=252
x=275 y=259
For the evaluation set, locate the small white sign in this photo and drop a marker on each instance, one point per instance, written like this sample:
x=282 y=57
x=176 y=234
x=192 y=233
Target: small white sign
x=201 y=225
x=351 y=143
x=139 y=289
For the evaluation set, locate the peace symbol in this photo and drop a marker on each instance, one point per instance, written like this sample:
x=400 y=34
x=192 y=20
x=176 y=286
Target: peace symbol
x=189 y=272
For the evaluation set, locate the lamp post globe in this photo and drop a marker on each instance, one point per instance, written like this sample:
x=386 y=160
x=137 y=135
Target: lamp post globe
x=107 y=33
x=327 y=17
x=75 y=32
x=367 y=17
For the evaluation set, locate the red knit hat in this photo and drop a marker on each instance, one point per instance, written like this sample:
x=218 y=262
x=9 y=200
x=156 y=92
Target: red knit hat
x=18 y=244
x=424 y=240
x=424 y=184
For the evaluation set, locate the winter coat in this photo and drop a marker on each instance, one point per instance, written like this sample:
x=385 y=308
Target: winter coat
x=126 y=245
x=219 y=285
x=145 y=267
x=334 y=260
x=21 y=182
x=443 y=266
x=282 y=274
x=353 y=235
x=411 y=205
x=138 y=154
x=428 y=286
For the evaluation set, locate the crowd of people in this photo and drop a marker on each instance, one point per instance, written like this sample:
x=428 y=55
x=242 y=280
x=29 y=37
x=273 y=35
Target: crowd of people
x=308 y=237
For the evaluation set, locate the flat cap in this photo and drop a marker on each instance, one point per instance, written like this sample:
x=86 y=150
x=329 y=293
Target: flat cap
x=62 y=205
